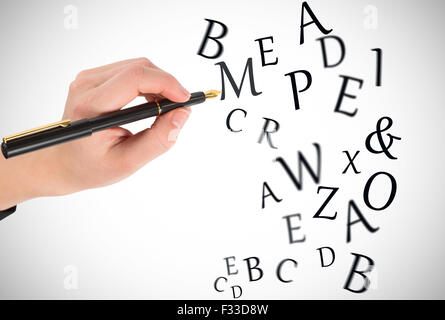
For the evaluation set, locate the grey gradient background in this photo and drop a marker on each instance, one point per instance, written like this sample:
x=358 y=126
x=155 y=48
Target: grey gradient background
x=135 y=240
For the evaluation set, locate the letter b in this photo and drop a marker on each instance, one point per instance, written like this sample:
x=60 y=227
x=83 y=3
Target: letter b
x=214 y=38
x=255 y=267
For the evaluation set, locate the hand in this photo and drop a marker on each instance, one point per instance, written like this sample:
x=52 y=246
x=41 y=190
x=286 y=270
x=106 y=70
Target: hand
x=107 y=156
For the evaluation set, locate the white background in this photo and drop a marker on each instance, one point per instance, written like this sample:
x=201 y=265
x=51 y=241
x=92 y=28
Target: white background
x=163 y=232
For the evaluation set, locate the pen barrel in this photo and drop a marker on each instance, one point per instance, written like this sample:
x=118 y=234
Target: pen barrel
x=195 y=98
x=47 y=138
x=142 y=111
x=86 y=127
x=124 y=116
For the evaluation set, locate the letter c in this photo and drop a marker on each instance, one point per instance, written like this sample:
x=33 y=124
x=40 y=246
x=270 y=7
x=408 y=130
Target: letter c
x=215 y=285
x=229 y=117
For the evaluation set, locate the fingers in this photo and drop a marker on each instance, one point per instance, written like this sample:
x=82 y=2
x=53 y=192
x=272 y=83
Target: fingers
x=115 y=65
x=146 y=145
x=92 y=78
x=109 y=88
x=132 y=81
x=115 y=153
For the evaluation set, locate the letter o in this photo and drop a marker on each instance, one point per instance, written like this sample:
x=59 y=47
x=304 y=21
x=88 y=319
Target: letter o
x=391 y=196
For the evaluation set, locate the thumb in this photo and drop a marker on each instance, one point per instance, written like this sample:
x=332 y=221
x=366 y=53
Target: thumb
x=150 y=143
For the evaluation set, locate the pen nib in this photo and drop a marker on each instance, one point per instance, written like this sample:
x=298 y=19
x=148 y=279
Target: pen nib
x=212 y=94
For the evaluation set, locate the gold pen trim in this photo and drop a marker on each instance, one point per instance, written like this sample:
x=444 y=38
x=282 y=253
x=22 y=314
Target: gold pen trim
x=63 y=123
x=159 y=108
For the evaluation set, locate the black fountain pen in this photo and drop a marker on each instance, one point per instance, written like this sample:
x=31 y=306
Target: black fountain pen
x=65 y=130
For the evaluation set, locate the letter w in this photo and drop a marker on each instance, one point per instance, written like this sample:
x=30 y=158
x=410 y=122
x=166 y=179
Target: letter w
x=303 y=162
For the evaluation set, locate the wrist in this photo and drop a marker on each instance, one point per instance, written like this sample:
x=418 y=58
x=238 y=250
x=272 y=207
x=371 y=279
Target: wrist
x=23 y=178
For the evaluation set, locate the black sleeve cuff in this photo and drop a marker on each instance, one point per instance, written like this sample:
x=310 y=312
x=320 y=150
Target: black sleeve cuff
x=5 y=213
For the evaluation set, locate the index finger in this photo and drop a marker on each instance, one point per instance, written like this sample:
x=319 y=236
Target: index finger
x=133 y=81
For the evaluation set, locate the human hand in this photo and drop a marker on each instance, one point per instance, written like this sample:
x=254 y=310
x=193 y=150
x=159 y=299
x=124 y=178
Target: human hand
x=107 y=156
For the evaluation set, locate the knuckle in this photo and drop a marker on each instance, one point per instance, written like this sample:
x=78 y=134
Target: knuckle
x=79 y=82
x=74 y=85
x=170 y=80
x=136 y=70
x=169 y=77
x=82 y=74
x=81 y=103
x=144 y=62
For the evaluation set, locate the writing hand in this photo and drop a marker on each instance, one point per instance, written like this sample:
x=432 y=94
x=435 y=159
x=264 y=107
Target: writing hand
x=107 y=156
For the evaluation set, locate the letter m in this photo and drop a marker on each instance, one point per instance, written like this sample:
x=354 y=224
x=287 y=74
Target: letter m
x=236 y=88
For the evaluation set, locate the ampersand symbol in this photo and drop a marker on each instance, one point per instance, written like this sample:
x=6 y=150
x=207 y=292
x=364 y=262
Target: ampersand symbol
x=379 y=130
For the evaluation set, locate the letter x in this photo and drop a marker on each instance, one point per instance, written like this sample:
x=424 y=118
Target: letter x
x=351 y=162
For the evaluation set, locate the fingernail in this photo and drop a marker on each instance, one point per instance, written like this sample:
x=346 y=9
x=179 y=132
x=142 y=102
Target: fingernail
x=180 y=117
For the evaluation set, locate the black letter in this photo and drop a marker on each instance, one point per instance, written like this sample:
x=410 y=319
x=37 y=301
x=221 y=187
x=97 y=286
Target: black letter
x=263 y=59
x=267 y=133
x=362 y=273
x=230 y=265
x=321 y=256
x=351 y=162
x=323 y=49
x=229 y=117
x=290 y=228
x=265 y=185
x=280 y=265
x=391 y=196
x=249 y=268
x=378 y=80
x=225 y=70
x=317 y=214
x=294 y=85
x=303 y=162
x=344 y=94
x=233 y=291
x=361 y=218
x=215 y=284
x=306 y=7
x=207 y=36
